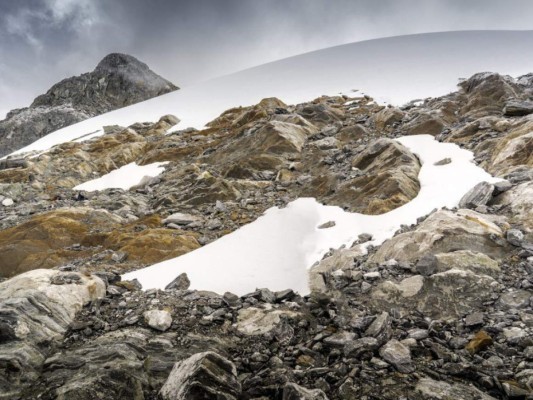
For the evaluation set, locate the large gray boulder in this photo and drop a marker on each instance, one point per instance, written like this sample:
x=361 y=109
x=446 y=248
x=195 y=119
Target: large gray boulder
x=202 y=376
x=36 y=308
x=446 y=231
x=479 y=195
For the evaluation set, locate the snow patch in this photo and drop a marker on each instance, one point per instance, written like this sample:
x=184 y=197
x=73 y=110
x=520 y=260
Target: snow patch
x=277 y=249
x=124 y=177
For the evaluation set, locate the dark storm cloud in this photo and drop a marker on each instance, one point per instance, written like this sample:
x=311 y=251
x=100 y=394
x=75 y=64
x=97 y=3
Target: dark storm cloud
x=43 y=41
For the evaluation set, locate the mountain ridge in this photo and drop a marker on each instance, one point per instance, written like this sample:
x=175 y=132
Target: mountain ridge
x=118 y=80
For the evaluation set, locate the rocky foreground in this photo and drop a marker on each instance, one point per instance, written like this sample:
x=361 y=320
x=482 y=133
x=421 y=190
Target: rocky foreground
x=443 y=310
x=117 y=81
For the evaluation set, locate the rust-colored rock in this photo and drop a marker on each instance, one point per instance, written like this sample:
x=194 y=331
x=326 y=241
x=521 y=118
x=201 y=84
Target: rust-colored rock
x=480 y=342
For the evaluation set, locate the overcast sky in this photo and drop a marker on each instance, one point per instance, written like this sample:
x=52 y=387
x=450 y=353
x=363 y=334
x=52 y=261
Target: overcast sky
x=44 y=41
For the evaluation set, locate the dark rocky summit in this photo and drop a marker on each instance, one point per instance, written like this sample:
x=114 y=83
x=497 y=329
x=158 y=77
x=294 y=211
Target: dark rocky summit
x=117 y=81
x=442 y=310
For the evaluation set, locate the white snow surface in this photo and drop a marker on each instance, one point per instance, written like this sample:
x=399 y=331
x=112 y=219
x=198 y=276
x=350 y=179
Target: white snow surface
x=277 y=249
x=395 y=70
x=124 y=177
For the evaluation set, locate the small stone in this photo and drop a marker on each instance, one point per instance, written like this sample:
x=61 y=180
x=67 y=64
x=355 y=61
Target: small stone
x=365 y=287
x=418 y=334
x=231 y=299
x=326 y=225
x=398 y=355
x=305 y=361
x=158 y=319
x=502 y=186
x=7 y=202
x=444 y=161
x=202 y=376
x=292 y=391
x=372 y=276
x=427 y=265
x=339 y=339
x=181 y=219
x=515 y=298
x=119 y=256
x=514 y=335
x=515 y=237
x=380 y=328
x=474 y=319
x=364 y=237
x=528 y=353
x=181 y=282
x=480 y=342
x=493 y=362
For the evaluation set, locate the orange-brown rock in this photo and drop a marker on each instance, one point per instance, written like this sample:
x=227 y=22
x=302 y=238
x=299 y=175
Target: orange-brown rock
x=480 y=342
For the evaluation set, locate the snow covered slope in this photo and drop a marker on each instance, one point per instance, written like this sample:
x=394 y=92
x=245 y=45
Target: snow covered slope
x=276 y=250
x=396 y=69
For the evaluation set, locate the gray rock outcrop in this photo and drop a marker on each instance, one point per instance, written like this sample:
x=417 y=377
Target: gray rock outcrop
x=117 y=81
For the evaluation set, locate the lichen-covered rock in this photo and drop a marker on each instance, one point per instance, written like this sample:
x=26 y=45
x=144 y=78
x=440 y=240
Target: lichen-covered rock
x=467 y=260
x=452 y=293
x=43 y=241
x=446 y=231
x=202 y=376
x=36 y=308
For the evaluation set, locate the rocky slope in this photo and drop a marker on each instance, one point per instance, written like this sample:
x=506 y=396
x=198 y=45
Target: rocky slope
x=117 y=81
x=443 y=310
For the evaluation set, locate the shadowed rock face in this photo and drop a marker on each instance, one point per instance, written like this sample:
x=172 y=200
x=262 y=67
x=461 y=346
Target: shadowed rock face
x=117 y=81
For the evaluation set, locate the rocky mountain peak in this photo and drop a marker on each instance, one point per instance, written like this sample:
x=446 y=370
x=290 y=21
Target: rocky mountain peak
x=118 y=80
x=117 y=61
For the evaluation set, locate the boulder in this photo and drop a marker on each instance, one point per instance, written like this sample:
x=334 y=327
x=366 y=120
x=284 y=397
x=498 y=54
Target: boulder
x=202 y=376
x=446 y=231
x=35 y=310
x=424 y=123
x=479 y=195
x=452 y=293
x=513 y=151
x=387 y=117
x=518 y=108
x=486 y=94
x=388 y=179
x=518 y=201
x=181 y=282
x=467 y=260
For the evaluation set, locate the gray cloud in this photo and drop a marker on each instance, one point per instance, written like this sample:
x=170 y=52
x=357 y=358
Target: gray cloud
x=43 y=41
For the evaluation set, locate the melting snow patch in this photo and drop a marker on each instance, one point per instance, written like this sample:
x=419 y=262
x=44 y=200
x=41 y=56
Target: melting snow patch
x=124 y=177
x=277 y=249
